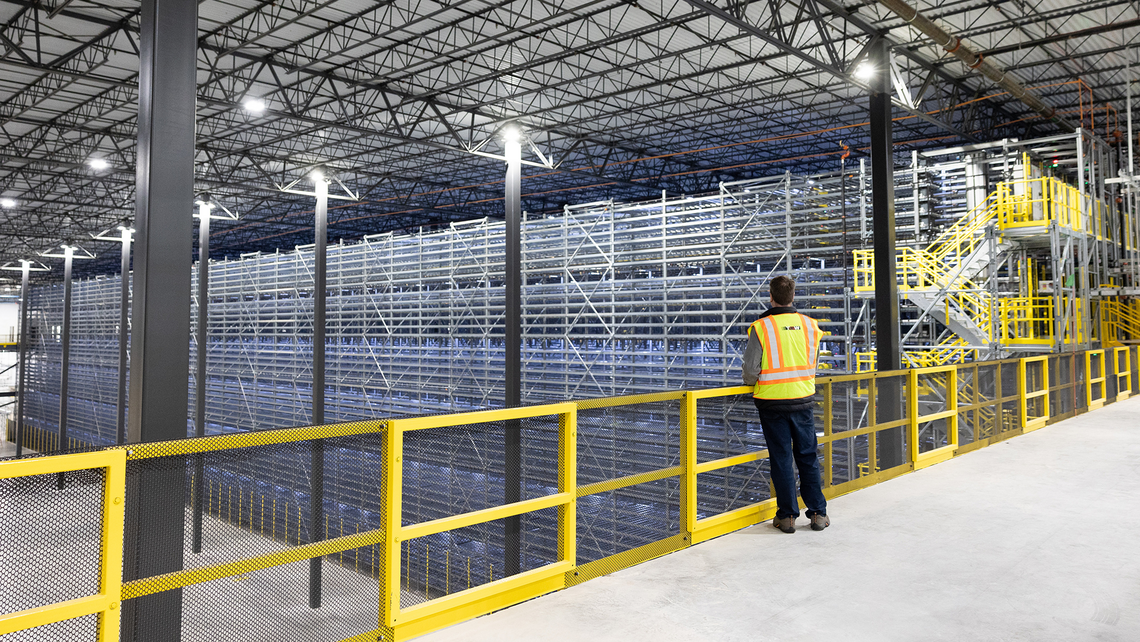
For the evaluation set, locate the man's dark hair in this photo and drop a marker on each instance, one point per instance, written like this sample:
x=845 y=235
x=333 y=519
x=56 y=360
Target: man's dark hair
x=783 y=290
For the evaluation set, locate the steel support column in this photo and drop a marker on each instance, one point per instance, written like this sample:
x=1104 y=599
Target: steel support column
x=317 y=490
x=201 y=338
x=65 y=349
x=888 y=355
x=124 y=332
x=25 y=268
x=512 y=551
x=160 y=362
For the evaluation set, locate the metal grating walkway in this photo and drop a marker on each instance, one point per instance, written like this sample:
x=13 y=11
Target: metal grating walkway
x=1032 y=539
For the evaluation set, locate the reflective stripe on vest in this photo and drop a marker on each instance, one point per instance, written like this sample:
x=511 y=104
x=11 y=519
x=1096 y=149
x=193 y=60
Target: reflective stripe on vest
x=791 y=345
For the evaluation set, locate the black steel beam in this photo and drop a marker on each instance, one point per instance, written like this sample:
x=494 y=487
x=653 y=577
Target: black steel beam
x=317 y=469
x=65 y=352
x=201 y=337
x=124 y=297
x=160 y=361
x=513 y=355
x=23 y=357
x=888 y=355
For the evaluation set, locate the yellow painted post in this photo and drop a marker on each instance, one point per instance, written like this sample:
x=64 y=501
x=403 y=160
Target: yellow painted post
x=827 y=428
x=114 y=513
x=1021 y=392
x=872 y=420
x=976 y=382
x=912 y=413
x=952 y=404
x=392 y=498
x=689 y=462
x=568 y=483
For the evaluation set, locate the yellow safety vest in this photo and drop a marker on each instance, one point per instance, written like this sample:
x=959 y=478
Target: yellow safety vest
x=791 y=345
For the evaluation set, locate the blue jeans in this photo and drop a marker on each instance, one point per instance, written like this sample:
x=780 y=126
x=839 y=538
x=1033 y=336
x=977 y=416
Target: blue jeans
x=791 y=438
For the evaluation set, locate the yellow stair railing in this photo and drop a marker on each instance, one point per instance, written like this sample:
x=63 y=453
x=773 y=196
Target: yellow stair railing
x=1120 y=321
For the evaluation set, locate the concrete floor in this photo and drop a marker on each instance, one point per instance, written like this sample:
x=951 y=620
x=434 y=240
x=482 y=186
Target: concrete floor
x=7 y=449
x=1036 y=538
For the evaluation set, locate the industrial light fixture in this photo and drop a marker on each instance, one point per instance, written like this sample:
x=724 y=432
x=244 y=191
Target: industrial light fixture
x=98 y=164
x=7 y=203
x=511 y=134
x=255 y=106
x=865 y=71
x=317 y=175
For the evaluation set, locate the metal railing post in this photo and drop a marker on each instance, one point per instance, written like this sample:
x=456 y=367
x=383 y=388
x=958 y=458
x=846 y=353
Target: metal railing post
x=689 y=463
x=392 y=502
x=568 y=483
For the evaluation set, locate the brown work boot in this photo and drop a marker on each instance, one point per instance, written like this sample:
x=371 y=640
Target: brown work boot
x=786 y=524
x=819 y=522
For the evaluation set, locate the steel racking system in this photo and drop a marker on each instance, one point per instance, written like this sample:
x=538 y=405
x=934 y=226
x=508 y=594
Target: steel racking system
x=618 y=298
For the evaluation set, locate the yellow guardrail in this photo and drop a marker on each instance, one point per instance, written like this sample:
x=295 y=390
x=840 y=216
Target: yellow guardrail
x=1025 y=320
x=1037 y=202
x=941 y=412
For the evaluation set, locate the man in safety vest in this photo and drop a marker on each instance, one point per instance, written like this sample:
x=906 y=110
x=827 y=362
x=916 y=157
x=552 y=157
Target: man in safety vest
x=779 y=363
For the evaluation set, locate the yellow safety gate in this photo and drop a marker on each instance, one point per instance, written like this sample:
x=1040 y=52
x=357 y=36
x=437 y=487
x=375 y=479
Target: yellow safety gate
x=1096 y=381
x=921 y=416
x=1033 y=387
x=1123 y=367
x=105 y=603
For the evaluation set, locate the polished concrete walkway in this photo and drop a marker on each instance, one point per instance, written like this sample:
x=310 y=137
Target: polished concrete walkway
x=1036 y=538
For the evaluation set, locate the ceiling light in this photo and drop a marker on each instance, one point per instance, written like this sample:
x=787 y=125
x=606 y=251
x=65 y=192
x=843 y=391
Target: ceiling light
x=865 y=71
x=317 y=175
x=7 y=203
x=254 y=105
x=511 y=134
x=98 y=164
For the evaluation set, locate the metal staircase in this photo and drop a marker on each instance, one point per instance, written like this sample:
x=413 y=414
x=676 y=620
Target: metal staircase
x=940 y=280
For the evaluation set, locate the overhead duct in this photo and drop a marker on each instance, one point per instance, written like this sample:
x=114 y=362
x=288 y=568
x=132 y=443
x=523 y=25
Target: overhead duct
x=972 y=59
